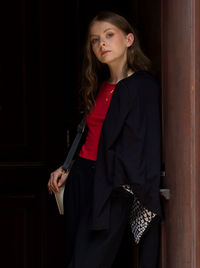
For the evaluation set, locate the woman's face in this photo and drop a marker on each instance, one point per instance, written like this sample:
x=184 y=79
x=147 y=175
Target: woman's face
x=109 y=43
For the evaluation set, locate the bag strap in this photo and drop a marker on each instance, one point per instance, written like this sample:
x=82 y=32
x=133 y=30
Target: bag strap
x=72 y=150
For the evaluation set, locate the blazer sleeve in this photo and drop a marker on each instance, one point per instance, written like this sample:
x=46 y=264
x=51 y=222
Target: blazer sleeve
x=137 y=148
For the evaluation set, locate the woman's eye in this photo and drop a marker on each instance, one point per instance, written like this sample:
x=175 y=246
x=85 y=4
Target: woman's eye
x=110 y=35
x=94 y=41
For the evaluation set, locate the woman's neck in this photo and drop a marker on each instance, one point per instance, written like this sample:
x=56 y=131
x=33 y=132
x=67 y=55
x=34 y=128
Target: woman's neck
x=117 y=74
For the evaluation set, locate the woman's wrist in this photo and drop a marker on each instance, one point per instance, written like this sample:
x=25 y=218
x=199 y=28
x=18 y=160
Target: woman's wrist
x=64 y=171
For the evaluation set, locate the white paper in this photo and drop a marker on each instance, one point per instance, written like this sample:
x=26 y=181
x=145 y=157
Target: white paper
x=59 y=199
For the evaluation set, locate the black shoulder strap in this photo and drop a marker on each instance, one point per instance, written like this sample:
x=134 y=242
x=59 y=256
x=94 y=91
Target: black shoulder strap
x=72 y=150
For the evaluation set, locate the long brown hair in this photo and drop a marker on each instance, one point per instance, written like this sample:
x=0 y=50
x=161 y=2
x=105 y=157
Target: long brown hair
x=94 y=71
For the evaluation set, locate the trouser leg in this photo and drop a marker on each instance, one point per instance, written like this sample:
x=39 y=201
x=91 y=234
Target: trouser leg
x=149 y=247
x=77 y=199
x=97 y=249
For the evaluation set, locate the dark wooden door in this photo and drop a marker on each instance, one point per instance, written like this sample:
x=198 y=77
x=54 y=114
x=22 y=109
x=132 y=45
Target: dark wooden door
x=37 y=118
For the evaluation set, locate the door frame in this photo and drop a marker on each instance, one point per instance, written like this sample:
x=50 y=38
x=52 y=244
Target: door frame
x=180 y=51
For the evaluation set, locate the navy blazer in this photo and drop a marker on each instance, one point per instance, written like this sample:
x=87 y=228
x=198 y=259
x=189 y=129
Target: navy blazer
x=129 y=150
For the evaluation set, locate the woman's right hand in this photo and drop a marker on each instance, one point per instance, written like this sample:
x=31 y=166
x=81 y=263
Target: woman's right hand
x=57 y=179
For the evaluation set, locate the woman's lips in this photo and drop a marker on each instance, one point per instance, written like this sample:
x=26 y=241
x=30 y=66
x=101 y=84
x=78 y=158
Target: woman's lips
x=105 y=52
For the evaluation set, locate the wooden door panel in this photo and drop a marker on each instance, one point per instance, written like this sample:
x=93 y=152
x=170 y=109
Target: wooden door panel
x=35 y=121
x=21 y=239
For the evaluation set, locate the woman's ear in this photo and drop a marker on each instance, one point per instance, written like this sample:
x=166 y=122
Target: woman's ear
x=130 y=39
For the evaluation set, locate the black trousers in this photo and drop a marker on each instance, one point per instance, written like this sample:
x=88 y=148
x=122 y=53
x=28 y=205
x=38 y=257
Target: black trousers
x=98 y=249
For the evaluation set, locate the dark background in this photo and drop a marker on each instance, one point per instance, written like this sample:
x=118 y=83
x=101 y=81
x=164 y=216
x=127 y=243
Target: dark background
x=40 y=61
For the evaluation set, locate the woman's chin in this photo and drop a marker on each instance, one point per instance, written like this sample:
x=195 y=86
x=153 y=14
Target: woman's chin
x=105 y=60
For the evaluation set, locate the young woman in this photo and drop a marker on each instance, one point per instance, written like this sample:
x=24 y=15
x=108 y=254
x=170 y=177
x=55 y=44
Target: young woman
x=114 y=182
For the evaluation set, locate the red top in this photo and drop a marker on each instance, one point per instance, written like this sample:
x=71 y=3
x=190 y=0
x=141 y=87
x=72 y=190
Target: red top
x=95 y=121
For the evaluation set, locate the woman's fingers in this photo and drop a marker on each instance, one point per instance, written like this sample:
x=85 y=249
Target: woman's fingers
x=63 y=179
x=53 y=181
x=57 y=179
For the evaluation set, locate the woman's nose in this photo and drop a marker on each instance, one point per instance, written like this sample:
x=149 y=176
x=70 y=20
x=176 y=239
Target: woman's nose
x=102 y=42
